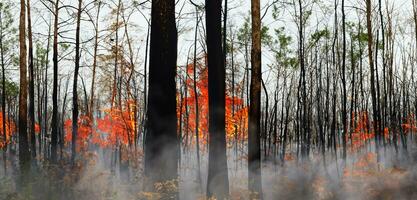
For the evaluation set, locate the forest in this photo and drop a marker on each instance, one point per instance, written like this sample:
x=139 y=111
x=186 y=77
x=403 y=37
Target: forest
x=202 y=100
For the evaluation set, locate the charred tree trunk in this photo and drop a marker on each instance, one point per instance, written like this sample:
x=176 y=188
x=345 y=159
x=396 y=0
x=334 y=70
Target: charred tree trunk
x=217 y=180
x=54 y=136
x=344 y=97
x=161 y=154
x=45 y=94
x=75 y=85
x=31 y=87
x=372 y=78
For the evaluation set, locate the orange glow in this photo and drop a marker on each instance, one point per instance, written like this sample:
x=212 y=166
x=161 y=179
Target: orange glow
x=37 y=128
x=10 y=130
x=361 y=134
x=84 y=131
x=115 y=128
x=236 y=123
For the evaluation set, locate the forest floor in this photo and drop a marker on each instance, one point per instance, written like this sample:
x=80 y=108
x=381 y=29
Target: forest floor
x=364 y=175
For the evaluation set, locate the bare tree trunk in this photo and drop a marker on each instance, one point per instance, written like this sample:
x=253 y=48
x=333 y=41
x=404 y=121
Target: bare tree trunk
x=145 y=87
x=372 y=78
x=24 y=154
x=54 y=136
x=161 y=151
x=264 y=133
x=217 y=180
x=116 y=59
x=94 y=60
x=31 y=87
x=197 y=114
x=45 y=94
x=254 y=150
x=344 y=97
x=75 y=85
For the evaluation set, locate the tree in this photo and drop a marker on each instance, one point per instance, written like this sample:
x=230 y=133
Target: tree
x=96 y=31
x=217 y=180
x=24 y=156
x=31 y=87
x=371 y=67
x=344 y=96
x=54 y=136
x=161 y=145
x=7 y=32
x=75 y=85
x=254 y=146
x=197 y=117
x=116 y=59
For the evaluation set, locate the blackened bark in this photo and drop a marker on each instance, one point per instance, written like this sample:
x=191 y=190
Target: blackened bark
x=344 y=97
x=31 y=87
x=54 y=136
x=217 y=181
x=371 y=66
x=75 y=85
x=161 y=145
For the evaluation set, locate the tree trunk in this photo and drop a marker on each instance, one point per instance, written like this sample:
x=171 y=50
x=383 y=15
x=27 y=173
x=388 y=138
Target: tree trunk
x=45 y=107
x=371 y=66
x=54 y=136
x=94 y=61
x=116 y=59
x=254 y=150
x=217 y=180
x=75 y=85
x=197 y=114
x=161 y=154
x=31 y=87
x=24 y=154
x=344 y=97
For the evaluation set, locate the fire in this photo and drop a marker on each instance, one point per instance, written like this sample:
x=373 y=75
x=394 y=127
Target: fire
x=363 y=131
x=84 y=131
x=115 y=128
x=10 y=130
x=119 y=127
x=236 y=122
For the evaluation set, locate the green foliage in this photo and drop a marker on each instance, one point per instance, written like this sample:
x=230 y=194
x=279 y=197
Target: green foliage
x=41 y=54
x=358 y=37
x=245 y=37
x=266 y=38
x=318 y=35
x=12 y=89
x=281 y=49
x=244 y=33
x=64 y=46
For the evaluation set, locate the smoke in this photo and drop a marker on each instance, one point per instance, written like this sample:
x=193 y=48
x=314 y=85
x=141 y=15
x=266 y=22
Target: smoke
x=364 y=175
